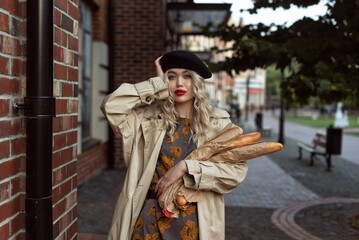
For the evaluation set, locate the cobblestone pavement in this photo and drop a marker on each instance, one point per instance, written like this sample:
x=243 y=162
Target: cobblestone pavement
x=250 y=223
x=276 y=184
x=96 y=201
x=329 y=217
x=300 y=220
x=263 y=187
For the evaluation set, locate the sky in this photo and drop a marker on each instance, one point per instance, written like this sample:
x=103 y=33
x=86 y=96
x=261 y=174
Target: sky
x=268 y=16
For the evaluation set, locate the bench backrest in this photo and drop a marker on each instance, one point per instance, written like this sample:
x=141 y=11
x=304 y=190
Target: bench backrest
x=320 y=140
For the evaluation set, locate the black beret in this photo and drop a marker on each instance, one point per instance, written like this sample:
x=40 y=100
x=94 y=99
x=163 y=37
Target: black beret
x=186 y=60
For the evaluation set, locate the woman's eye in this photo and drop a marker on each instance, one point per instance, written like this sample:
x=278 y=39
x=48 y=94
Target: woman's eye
x=187 y=76
x=171 y=77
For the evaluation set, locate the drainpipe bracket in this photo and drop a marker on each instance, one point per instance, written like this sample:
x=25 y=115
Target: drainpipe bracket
x=19 y=106
x=38 y=106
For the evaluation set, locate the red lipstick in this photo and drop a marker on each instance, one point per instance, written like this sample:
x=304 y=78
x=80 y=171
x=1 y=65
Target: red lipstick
x=180 y=92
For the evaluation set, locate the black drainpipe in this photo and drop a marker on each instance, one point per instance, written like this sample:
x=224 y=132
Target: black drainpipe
x=39 y=111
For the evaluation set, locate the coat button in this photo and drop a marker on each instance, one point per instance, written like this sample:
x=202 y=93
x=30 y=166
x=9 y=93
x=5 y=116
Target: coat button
x=148 y=99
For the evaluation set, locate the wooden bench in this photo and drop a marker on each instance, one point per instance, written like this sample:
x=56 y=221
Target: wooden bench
x=317 y=148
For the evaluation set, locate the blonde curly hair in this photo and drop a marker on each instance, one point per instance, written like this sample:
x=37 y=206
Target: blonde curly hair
x=201 y=112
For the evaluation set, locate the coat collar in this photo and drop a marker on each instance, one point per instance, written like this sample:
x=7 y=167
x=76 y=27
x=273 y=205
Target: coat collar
x=154 y=112
x=150 y=112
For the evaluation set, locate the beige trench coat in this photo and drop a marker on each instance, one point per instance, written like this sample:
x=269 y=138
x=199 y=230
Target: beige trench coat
x=133 y=117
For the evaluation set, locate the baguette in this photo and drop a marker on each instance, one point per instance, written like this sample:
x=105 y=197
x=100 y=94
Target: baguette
x=181 y=200
x=244 y=140
x=270 y=147
x=273 y=147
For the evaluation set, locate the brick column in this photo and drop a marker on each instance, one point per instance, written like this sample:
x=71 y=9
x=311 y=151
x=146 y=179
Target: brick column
x=12 y=131
x=66 y=22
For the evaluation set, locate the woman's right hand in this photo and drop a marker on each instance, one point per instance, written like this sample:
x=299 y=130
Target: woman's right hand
x=159 y=68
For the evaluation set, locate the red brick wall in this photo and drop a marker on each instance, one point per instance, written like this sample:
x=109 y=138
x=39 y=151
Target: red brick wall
x=91 y=162
x=64 y=196
x=139 y=40
x=100 y=21
x=12 y=130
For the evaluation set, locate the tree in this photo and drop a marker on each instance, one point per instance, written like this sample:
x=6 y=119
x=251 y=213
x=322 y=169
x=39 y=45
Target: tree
x=325 y=50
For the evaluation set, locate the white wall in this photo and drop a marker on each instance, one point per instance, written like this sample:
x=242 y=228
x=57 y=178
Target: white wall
x=99 y=126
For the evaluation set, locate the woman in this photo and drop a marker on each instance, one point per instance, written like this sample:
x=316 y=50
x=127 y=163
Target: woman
x=160 y=121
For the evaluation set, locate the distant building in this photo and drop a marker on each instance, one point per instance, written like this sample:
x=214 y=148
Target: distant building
x=256 y=89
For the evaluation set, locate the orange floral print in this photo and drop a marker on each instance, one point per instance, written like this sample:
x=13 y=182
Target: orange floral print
x=176 y=151
x=152 y=210
x=139 y=224
x=175 y=137
x=168 y=162
x=190 y=209
x=163 y=222
x=186 y=130
x=154 y=180
x=151 y=237
x=190 y=231
x=159 y=215
x=184 y=121
x=162 y=169
x=152 y=225
x=137 y=237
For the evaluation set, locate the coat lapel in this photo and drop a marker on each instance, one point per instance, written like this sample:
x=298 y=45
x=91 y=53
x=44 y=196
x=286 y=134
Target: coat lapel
x=153 y=135
x=152 y=131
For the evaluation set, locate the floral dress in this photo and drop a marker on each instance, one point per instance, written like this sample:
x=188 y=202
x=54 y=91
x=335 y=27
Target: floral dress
x=152 y=223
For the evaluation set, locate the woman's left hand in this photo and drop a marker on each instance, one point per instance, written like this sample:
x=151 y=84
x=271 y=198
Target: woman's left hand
x=171 y=176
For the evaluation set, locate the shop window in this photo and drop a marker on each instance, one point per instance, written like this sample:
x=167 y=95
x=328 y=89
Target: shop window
x=85 y=70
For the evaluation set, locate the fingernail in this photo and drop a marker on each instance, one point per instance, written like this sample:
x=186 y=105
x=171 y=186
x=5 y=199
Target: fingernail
x=157 y=196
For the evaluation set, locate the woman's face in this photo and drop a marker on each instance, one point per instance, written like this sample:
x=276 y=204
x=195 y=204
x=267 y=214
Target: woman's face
x=180 y=85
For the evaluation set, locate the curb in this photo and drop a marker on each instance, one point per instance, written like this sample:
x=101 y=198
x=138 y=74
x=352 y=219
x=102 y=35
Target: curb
x=284 y=218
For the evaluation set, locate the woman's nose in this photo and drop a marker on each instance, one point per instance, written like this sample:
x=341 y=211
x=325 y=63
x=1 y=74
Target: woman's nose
x=179 y=81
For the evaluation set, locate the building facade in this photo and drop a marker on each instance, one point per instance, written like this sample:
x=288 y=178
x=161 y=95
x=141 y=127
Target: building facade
x=94 y=51
x=97 y=46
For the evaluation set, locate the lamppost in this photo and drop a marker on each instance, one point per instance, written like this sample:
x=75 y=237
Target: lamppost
x=281 y=118
x=248 y=81
x=247 y=97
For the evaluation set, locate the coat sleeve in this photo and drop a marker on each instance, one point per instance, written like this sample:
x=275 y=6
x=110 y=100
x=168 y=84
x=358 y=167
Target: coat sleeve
x=217 y=177
x=121 y=107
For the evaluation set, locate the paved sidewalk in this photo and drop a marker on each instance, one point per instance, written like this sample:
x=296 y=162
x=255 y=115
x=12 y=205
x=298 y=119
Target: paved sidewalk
x=281 y=198
x=96 y=201
x=300 y=219
x=268 y=186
